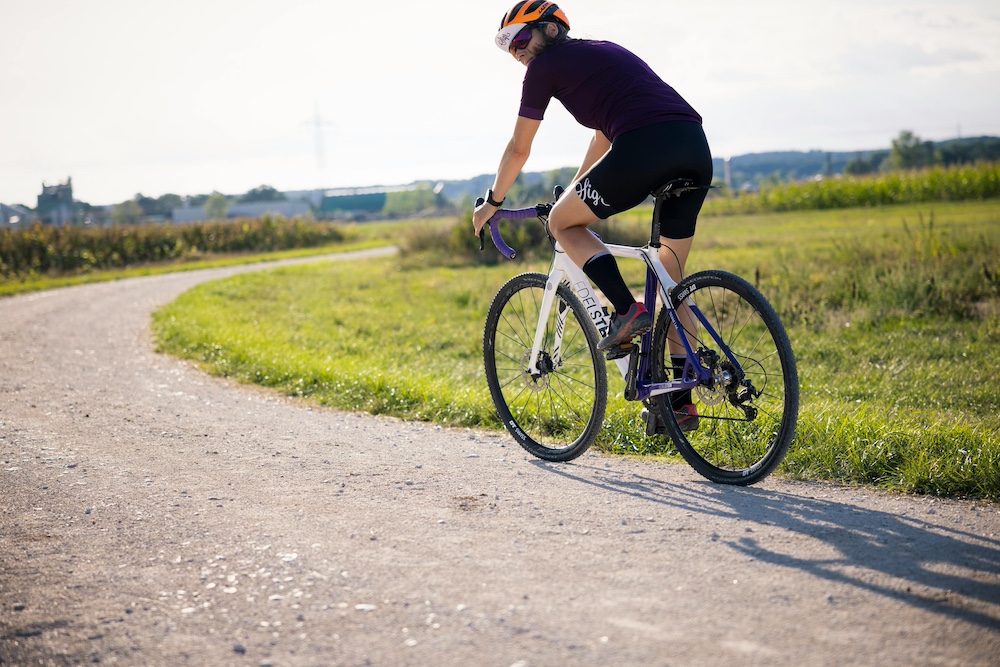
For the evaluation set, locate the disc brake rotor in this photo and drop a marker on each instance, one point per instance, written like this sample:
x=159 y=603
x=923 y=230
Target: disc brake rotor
x=708 y=395
x=716 y=394
x=536 y=383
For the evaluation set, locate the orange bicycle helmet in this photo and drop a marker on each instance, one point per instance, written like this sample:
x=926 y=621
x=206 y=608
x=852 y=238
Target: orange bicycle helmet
x=524 y=13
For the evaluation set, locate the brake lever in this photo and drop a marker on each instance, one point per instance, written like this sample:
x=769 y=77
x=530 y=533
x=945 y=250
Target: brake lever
x=482 y=240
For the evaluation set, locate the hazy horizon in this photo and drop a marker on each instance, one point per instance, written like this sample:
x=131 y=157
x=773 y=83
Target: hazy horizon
x=190 y=97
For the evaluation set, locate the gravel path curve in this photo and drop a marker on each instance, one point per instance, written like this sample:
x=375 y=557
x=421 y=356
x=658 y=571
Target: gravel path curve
x=153 y=515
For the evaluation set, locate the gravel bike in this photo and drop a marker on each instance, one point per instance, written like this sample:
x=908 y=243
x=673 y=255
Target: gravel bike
x=549 y=381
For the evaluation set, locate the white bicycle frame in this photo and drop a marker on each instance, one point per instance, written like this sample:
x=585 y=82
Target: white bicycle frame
x=565 y=271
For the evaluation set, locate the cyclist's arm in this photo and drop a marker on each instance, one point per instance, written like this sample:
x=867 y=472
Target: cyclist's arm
x=515 y=155
x=513 y=160
x=599 y=145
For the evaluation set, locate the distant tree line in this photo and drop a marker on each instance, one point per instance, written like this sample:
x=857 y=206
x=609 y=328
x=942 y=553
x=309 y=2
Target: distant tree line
x=762 y=170
x=910 y=152
x=754 y=171
x=141 y=208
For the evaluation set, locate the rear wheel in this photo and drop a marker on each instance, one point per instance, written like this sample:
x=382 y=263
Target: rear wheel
x=748 y=411
x=556 y=413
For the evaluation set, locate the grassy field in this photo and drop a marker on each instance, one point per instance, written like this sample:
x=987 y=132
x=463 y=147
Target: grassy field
x=894 y=314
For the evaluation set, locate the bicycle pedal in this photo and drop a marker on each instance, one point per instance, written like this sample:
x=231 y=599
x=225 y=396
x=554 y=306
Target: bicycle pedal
x=654 y=425
x=619 y=351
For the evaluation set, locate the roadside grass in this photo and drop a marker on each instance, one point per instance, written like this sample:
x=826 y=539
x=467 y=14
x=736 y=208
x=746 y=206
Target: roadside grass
x=376 y=338
x=900 y=386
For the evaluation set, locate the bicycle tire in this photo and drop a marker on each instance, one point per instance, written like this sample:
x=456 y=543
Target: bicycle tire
x=557 y=415
x=728 y=446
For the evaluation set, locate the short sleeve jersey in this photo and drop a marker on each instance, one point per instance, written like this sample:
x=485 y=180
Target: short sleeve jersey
x=604 y=86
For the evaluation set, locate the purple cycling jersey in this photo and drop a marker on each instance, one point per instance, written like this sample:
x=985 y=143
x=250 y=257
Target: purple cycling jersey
x=604 y=86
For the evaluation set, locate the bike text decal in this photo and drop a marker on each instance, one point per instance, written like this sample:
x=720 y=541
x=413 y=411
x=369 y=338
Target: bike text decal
x=597 y=312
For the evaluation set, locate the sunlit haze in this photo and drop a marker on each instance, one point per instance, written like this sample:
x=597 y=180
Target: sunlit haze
x=194 y=96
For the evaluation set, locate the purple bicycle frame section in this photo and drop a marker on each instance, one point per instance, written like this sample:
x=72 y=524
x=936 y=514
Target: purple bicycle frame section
x=694 y=373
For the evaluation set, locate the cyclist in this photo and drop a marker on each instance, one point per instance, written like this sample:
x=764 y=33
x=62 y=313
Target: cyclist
x=645 y=134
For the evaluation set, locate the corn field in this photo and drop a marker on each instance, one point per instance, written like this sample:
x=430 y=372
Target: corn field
x=48 y=250
x=959 y=183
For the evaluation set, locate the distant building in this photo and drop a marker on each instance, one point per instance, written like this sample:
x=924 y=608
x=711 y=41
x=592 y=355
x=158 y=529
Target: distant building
x=188 y=214
x=357 y=203
x=313 y=197
x=15 y=216
x=339 y=204
x=284 y=209
x=360 y=205
x=55 y=204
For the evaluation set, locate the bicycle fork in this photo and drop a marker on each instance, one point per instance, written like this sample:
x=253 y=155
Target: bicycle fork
x=573 y=278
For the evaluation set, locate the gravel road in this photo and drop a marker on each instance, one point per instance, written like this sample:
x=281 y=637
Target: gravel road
x=153 y=515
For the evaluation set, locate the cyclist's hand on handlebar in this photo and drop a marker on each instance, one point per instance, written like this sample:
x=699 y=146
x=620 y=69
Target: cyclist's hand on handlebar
x=482 y=215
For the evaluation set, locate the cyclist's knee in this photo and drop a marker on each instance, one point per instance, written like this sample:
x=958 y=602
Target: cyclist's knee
x=570 y=211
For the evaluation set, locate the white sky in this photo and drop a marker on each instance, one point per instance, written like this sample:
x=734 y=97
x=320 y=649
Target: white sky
x=191 y=96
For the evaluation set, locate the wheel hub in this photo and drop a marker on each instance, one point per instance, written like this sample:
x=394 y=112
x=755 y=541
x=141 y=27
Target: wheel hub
x=540 y=382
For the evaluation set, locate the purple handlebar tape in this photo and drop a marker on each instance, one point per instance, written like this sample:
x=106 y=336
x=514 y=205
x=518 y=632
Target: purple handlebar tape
x=519 y=214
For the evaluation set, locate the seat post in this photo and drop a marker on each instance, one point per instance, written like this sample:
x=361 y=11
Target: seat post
x=675 y=187
x=654 y=232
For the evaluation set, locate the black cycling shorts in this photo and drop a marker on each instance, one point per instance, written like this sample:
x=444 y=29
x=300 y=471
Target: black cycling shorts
x=642 y=160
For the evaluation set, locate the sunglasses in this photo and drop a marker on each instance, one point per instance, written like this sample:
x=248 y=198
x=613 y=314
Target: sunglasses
x=521 y=39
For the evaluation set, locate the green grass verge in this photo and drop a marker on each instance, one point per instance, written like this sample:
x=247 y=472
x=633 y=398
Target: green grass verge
x=901 y=398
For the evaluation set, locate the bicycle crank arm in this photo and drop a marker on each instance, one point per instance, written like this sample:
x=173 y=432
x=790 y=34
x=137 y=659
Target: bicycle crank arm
x=631 y=377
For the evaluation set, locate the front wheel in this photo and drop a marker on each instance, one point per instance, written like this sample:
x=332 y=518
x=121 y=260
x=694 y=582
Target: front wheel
x=556 y=412
x=747 y=411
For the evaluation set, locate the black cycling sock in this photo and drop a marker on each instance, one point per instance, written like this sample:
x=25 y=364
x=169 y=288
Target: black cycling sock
x=681 y=398
x=603 y=270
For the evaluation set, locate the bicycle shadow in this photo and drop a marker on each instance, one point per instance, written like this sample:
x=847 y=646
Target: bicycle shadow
x=930 y=566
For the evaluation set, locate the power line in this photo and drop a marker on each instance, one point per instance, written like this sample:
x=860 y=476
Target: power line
x=318 y=122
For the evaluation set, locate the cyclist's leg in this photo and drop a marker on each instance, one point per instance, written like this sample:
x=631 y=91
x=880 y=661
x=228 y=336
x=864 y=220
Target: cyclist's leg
x=690 y=157
x=615 y=183
x=569 y=222
x=673 y=255
x=678 y=220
